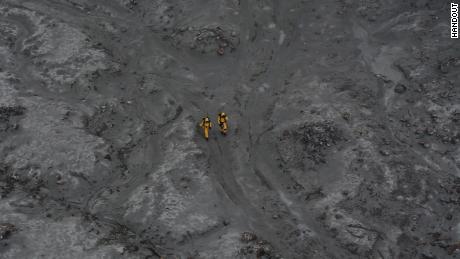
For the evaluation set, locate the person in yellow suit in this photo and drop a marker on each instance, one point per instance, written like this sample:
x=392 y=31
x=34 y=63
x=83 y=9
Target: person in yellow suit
x=222 y=119
x=206 y=124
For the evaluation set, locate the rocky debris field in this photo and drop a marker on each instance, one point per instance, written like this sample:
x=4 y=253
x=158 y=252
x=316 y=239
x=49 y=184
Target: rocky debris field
x=344 y=136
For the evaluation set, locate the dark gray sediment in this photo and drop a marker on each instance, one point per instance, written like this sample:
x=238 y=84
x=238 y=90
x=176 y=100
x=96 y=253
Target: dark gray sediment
x=344 y=136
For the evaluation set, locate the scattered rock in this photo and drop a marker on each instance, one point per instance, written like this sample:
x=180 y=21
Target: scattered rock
x=6 y=115
x=319 y=136
x=346 y=116
x=205 y=39
x=446 y=65
x=7 y=111
x=248 y=236
x=452 y=248
x=263 y=248
x=424 y=145
x=314 y=194
x=6 y=229
x=384 y=152
x=428 y=255
x=400 y=88
x=130 y=3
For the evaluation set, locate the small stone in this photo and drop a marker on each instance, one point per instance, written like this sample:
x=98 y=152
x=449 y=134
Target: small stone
x=444 y=67
x=428 y=255
x=400 y=88
x=384 y=152
x=425 y=145
x=430 y=131
x=6 y=229
x=418 y=132
x=131 y=248
x=263 y=248
x=383 y=78
x=248 y=236
x=372 y=18
x=220 y=51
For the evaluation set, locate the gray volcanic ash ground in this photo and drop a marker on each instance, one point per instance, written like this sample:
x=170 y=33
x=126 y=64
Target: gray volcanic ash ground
x=344 y=134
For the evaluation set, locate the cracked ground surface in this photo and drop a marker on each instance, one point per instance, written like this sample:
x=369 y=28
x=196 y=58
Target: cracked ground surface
x=344 y=134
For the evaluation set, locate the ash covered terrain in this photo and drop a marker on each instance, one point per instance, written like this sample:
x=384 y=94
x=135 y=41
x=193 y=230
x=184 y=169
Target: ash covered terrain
x=344 y=133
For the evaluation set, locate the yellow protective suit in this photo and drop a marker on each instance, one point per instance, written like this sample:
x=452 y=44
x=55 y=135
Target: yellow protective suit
x=206 y=124
x=222 y=119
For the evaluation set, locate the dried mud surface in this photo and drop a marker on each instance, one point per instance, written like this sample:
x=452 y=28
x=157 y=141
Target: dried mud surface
x=344 y=134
